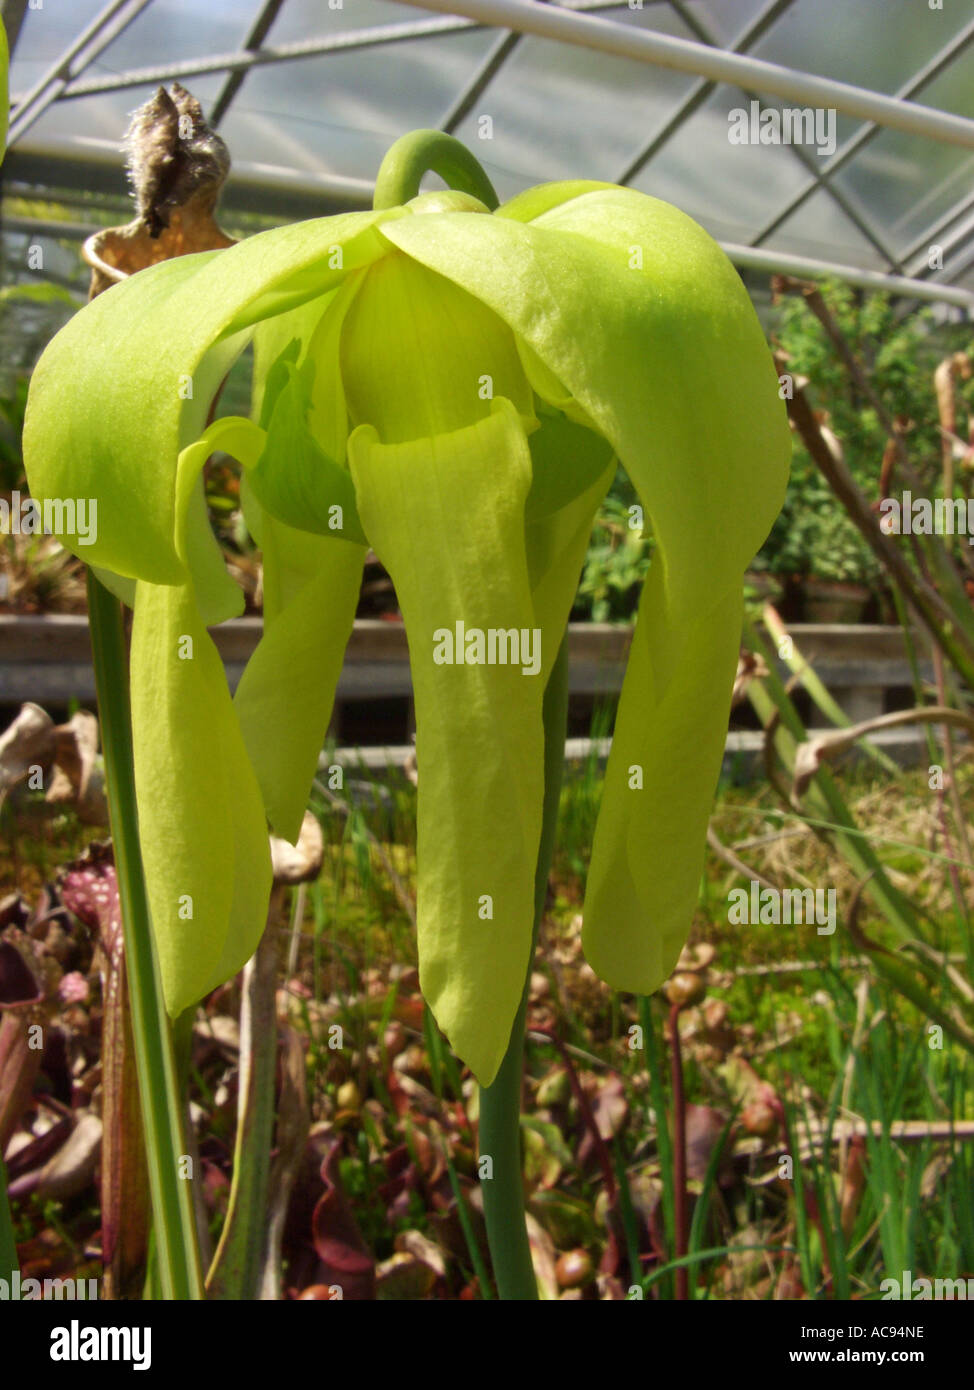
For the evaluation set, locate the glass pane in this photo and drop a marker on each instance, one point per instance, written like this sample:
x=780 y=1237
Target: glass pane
x=305 y=19
x=44 y=35
x=726 y=20
x=172 y=31
x=909 y=182
x=821 y=229
x=563 y=112
x=729 y=188
x=339 y=113
x=877 y=44
x=166 y=31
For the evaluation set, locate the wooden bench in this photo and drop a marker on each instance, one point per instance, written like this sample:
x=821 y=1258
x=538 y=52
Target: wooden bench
x=47 y=660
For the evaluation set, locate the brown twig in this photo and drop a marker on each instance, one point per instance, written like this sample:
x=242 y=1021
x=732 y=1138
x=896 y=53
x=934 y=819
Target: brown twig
x=728 y=857
x=935 y=613
x=944 y=379
x=893 y=427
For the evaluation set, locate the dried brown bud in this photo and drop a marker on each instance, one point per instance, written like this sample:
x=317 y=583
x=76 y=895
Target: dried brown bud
x=176 y=167
x=174 y=158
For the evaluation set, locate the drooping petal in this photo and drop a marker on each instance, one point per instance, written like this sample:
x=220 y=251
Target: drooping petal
x=295 y=479
x=201 y=820
x=571 y=472
x=311 y=585
x=286 y=693
x=311 y=581
x=218 y=597
x=123 y=587
x=166 y=336
x=446 y=516
x=649 y=845
x=636 y=312
x=421 y=357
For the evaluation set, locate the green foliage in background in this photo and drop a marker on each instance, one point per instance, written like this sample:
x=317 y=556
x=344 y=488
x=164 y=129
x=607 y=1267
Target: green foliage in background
x=618 y=557
x=813 y=536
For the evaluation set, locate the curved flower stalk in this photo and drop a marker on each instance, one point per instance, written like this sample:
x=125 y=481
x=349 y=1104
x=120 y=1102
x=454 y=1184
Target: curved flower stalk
x=454 y=387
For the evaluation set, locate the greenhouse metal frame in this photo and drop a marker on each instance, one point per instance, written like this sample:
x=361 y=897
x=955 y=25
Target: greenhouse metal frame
x=72 y=163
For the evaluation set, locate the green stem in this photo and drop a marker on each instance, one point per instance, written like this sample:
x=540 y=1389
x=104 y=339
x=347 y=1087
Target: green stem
x=180 y=1275
x=429 y=151
x=8 y=1245
x=500 y=1103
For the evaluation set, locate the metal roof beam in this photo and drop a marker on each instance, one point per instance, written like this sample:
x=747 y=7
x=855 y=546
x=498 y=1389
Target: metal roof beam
x=777 y=262
x=810 y=163
x=933 y=234
x=700 y=91
x=283 y=53
x=497 y=56
x=103 y=30
x=949 y=245
x=242 y=62
x=39 y=226
x=963 y=264
x=283 y=189
x=256 y=36
x=97 y=167
x=661 y=50
x=870 y=130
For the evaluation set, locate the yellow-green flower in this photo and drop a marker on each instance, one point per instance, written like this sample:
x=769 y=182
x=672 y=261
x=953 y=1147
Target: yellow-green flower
x=455 y=388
